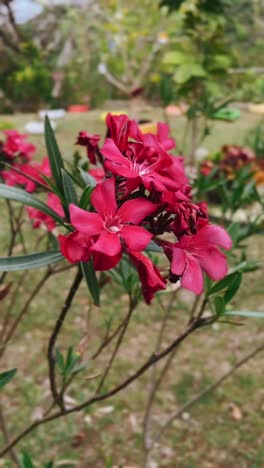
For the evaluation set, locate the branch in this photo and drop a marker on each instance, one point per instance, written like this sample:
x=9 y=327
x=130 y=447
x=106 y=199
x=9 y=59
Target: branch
x=118 y=344
x=208 y=390
x=152 y=360
x=6 y=438
x=24 y=310
x=53 y=338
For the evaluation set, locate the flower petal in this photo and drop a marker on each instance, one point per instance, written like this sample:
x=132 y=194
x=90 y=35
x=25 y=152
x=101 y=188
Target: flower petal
x=214 y=263
x=178 y=263
x=134 y=211
x=192 y=277
x=103 y=198
x=211 y=234
x=107 y=251
x=136 y=237
x=75 y=247
x=90 y=224
x=111 y=152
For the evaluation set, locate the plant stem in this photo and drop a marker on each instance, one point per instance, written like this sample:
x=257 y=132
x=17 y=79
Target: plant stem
x=148 y=363
x=208 y=390
x=12 y=453
x=12 y=330
x=53 y=338
x=118 y=344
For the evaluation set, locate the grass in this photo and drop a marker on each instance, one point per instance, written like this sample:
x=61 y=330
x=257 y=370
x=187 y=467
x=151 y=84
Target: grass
x=209 y=435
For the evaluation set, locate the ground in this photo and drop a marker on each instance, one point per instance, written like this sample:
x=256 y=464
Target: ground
x=224 y=430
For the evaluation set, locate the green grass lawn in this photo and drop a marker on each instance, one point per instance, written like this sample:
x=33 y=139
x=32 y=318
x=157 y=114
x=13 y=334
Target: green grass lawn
x=226 y=429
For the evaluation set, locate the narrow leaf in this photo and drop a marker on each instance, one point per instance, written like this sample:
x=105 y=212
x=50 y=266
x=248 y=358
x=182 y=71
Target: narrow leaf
x=29 y=262
x=85 y=198
x=245 y=313
x=5 y=377
x=87 y=178
x=219 y=305
x=91 y=280
x=233 y=288
x=55 y=159
x=13 y=193
x=26 y=461
x=68 y=188
x=153 y=247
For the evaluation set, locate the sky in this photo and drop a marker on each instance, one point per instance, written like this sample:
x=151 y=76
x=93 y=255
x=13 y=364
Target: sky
x=24 y=10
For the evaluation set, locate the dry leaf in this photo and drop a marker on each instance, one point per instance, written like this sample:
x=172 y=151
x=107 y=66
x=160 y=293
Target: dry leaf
x=236 y=412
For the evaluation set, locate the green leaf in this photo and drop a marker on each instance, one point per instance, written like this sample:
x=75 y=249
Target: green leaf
x=55 y=159
x=91 y=281
x=86 y=196
x=5 y=377
x=87 y=178
x=153 y=247
x=12 y=193
x=174 y=58
x=219 y=304
x=188 y=71
x=29 y=262
x=244 y=313
x=222 y=284
x=26 y=461
x=68 y=188
x=233 y=288
x=60 y=360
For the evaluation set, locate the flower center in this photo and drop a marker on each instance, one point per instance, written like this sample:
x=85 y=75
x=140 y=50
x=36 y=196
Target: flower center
x=114 y=228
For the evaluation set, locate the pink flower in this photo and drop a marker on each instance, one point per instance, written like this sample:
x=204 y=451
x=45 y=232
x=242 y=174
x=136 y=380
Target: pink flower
x=111 y=224
x=121 y=129
x=162 y=138
x=90 y=141
x=151 y=279
x=75 y=247
x=40 y=218
x=16 y=146
x=98 y=174
x=34 y=170
x=192 y=254
x=152 y=167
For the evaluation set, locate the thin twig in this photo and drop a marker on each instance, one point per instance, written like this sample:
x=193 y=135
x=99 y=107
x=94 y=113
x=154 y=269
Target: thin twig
x=118 y=344
x=53 y=338
x=148 y=363
x=4 y=430
x=12 y=330
x=208 y=390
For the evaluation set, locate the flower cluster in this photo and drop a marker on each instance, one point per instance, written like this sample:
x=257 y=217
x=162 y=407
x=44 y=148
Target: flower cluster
x=16 y=167
x=232 y=159
x=143 y=196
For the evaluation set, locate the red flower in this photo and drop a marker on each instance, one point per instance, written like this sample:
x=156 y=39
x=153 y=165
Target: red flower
x=98 y=174
x=91 y=143
x=121 y=130
x=151 y=279
x=152 y=167
x=162 y=138
x=15 y=145
x=40 y=218
x=111 y=224
x=192 y=254
x=75 y=247
x=34 y=170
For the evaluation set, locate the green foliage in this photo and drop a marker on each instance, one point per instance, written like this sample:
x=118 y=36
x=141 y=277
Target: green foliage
x=21 y=196
x=55 y=159
x=5 y=377
x=70 y=364
x=91 y=281
x=255 y=138
x=27 y=78
x=29 y=262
